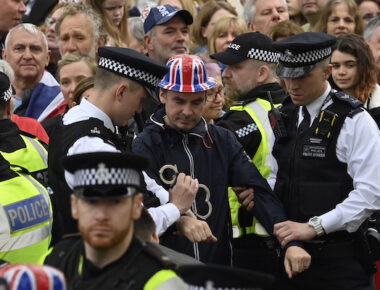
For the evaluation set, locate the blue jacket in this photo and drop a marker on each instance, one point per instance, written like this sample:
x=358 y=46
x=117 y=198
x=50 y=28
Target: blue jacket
x=214 y=156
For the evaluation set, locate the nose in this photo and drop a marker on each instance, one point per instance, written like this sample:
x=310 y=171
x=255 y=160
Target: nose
x=230 y=38
x=181 y=36
x=276 y=15
x=27 y=54
x=71 y=46
x=22 y=7
x=341 y=23
x=226 y=73
x=101 y=211
x=342 y=70
x=187 y=111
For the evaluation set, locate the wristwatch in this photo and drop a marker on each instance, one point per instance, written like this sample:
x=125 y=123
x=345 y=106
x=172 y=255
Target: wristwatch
x=316 y=223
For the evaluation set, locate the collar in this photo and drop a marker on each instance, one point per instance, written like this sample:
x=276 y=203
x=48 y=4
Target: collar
x=315 y=106
x=277 y=93
x=7 y=127
x=95 y=112
x=199 y=130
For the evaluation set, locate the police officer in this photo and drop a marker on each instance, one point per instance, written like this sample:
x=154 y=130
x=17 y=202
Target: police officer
x=25 y=217
x=106 y=201
x=121 y=83
x=250 y=80
x=328 y=168
x=19 y=148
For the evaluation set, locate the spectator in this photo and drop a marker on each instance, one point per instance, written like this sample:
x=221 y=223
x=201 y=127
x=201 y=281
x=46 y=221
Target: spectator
x=38 y=93
x=369 y=9
x=340 y=17
x=284 y=29
x=311 y=10
x=136 y=34
x=78 y=28
x=294 y=10
x=205 y=21
x=354 y=72
x=188 y=5
x=11 y=13
x=372 y=37
x=262 y=15
x=115 y=19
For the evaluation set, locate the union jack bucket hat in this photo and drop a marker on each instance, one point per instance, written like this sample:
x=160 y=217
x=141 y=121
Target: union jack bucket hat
x=187 y=74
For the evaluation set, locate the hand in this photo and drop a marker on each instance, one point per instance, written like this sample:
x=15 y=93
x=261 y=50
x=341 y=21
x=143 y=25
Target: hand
x=182 y=195
x=296 y=260
x=291 y=231
x=195 y=230
x=245 y=196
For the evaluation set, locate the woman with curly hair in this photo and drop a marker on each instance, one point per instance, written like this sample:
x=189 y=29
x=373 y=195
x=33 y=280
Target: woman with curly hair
x=339 y=17
x=355 y=73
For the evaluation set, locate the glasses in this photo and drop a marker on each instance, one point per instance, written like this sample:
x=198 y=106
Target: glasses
x=214 y=92
x=50 y=21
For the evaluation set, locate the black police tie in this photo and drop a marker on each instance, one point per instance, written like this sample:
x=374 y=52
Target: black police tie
x=305 y=124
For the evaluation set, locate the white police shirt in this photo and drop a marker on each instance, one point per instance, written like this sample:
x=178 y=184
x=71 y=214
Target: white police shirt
x=166 y=214
x=358 y=146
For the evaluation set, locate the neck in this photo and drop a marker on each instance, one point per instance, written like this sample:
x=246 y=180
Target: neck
x=102 y=101
x=350 y=92
x=312 y=19
x=20 y=85
x=103 y=257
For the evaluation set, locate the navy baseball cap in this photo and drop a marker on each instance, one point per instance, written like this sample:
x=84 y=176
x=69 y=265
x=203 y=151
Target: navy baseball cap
x=300 y=54
x=162 y=14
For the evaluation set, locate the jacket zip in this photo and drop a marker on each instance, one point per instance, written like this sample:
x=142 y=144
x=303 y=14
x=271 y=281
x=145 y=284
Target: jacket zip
x=185 y=141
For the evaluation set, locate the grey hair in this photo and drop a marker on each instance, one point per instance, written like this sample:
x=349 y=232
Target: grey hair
x=7 y=69
x=136 y=26
x=249 y=10
x=370 y=28
x=29 y=27
x=81 y=8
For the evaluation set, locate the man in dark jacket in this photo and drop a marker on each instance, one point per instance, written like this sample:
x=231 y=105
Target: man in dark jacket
x=178 y=139
x=250 y=80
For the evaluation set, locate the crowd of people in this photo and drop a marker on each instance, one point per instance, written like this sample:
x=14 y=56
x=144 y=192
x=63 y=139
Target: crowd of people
x=180 y=144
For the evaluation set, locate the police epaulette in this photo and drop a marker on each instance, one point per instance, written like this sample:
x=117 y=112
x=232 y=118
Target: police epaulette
x=355 y=111
x=152 y=250
x=354 y=102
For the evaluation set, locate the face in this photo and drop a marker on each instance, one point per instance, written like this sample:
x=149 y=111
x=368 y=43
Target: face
x=11 y=13
x=344 y=70
x=308 y=88
x=294 y=7
x=368 y=10
x=114 y=10
x=268 y=14
x=215 y=101
x=170 y=39
x=183 y=110
x=312 y=7
x=70 y=75
x=129 y=101
x=50 y=28
x=340 y=21
x=104 y=224
x=225 y=38
x=240 y=78
x=374 y=44
x=206 y=31
x=135 y=44
x=27 y=55
x=174 y=3
x=76 y=33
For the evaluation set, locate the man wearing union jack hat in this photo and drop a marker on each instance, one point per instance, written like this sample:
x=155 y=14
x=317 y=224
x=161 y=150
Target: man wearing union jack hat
x=178 y=139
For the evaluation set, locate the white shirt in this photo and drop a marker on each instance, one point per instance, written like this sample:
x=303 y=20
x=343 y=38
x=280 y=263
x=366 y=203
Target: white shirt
x=358 y=146
x=166 y=214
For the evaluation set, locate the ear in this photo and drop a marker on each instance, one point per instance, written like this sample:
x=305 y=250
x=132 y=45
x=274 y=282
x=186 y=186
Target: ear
x=4 y=54
x=8 y=111
x=162 y=96
x=48 y=57
x=204 y=31
x=137 y=206
x=120 y=91
x=327 y=71
x=74 y=206
x=155 y=238
x=251 y=27
x=148 y=43
x=262 y=74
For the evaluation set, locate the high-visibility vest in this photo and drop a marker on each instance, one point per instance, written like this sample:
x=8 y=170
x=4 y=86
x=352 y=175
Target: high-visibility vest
x=25 y=220
x=33 y=157
x=258 y=111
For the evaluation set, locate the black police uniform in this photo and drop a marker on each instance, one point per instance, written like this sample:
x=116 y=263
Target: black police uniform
x=312 y=181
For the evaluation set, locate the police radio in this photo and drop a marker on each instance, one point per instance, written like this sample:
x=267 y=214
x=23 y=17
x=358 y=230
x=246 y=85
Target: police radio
x=276 y=121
